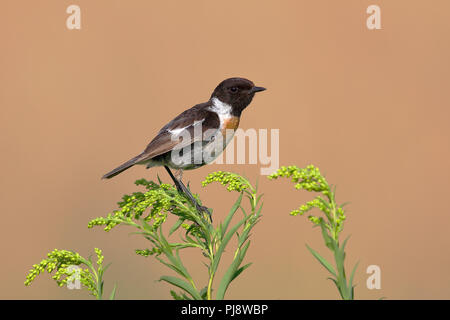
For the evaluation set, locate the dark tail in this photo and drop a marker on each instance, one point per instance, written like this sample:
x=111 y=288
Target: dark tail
x=122 y=167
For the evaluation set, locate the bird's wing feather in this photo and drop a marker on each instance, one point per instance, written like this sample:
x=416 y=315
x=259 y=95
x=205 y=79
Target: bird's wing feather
x=195 y=124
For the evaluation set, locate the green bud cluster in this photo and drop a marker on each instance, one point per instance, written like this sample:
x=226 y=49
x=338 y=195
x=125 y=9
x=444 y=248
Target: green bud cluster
x=152 y=206
x=192 y=229
x=317 y=202
x=56 y=259
x=147 y=252
x=340 y=218
x=331 y=222
x=234 y=181
x=315 y=220
x=308 y=178
x=60 y=261
x=100 y=256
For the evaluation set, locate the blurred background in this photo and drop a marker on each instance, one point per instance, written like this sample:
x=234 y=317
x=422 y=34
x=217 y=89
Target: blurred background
x=370 y=108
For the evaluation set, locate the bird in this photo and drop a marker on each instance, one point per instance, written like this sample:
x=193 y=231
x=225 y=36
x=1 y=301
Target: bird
x=198 y=135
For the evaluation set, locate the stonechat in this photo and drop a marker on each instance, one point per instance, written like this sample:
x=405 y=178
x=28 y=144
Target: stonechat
x=198 y=135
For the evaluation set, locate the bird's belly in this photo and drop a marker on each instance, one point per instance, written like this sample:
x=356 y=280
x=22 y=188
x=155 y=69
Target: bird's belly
x=197 y=154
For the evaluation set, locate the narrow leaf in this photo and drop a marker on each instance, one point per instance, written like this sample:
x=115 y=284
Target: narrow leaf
x=175 y=295
x=112 y=296
x=240 y=270
x=171 y=266
x=322 y=261
x=329 y=242
x=230 y=273
x=224 y=243
x=350 y=281
x=176 y=226
x=182 y=285
x=230 y=214
x=204 y=292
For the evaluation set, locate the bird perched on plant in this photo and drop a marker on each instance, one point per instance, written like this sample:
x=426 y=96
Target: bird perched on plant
x=198 y=135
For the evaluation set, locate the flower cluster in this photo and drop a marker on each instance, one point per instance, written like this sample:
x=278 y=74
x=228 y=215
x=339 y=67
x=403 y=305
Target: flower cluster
x=64 y=262
x=317 y=202
x=340 y=218
x=147 y=252
x=100 y=256
x=146 y=211
x=193 y=229
x=157 y=202
x=331 y=223
x=308 y=178
x=338 y=221
x=234 y=181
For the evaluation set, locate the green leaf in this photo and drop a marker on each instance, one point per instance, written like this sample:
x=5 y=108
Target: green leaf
x=166 y=247
x=240 y=270
x=322 y=261
x=339 y=256
x=224 y=243
x=176 y=226
x=112 y=296
x=185 y=297
x=335 y=282
x=259 y=197
x=338 y=287
x=106 y=267
x=329 y=242
x=146 y=226
x=258 y=213
x=182 y=285
x=246 y=232
x=353 y=274
x=100 y=291
x=230 y=273
x=183 y=268
x=204 y=292
x=344 y=243
x=323 y=201
x=243 y=211
x=230 y=215
x=350 y=281
x=171 y=266
x=189 y=239
x=176 y=263
x=175 y=295
x=344 y=204
x=188 y=231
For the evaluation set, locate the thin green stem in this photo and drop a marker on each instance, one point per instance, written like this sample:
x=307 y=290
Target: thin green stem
x=97 y=279
x=209 y=289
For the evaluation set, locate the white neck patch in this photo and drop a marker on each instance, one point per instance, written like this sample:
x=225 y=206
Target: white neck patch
x=223 y=109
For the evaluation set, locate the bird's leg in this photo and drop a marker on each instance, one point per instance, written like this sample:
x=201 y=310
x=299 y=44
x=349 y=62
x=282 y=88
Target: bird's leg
x=179 y=174
x=183 y=189
x=194 y=201
x=177 y=183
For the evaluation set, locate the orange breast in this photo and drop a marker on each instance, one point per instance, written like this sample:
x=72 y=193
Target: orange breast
x=230 y=123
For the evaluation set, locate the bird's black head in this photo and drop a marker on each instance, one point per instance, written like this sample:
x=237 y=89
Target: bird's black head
x=237 y=92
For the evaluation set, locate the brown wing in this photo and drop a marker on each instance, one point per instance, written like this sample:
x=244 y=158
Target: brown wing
x=183 y=131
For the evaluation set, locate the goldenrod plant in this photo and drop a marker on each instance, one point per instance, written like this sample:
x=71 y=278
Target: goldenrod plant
x=331 y=224
x=148 y=211
x=68 y=267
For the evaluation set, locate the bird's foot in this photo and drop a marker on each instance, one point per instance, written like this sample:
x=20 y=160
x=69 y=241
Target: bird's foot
x=203 y=209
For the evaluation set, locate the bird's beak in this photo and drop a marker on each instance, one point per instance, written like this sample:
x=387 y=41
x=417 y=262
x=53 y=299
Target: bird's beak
x=257 y=89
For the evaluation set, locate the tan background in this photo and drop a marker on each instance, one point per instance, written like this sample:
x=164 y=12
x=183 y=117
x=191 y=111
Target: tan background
x=370 y=108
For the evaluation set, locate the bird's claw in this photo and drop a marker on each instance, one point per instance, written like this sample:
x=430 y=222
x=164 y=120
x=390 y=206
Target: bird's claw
x=203 y=209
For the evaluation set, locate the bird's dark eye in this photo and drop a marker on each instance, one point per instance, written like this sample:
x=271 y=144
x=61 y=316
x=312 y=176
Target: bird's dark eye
x=233 y=89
